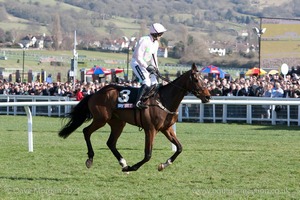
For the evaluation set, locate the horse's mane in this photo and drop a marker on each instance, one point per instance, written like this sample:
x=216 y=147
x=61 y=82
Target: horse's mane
x=174 y=81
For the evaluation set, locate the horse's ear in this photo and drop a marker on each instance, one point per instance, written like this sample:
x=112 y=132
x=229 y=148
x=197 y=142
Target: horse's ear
x=194 y=67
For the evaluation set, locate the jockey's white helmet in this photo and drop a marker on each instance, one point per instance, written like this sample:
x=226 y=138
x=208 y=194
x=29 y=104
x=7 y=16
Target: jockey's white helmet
x=157 y=28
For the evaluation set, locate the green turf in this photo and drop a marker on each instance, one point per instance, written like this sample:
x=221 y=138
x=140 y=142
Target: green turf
x=219 y=161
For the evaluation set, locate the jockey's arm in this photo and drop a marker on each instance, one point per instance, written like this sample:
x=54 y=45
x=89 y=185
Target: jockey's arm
x=140 y=56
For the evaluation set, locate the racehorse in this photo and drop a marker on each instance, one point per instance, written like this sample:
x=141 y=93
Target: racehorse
x=161 y=114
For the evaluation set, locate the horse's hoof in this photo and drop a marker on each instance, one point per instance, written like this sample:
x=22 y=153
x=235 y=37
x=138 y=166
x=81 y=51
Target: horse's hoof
x=161 y=167
x=125 y=169
x=89 y=163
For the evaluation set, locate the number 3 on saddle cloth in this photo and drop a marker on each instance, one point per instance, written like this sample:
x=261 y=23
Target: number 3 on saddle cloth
x=127 y=96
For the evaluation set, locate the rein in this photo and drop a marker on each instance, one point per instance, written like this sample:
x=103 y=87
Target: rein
x=159 y=104
x=158 y=74
x=194 y=91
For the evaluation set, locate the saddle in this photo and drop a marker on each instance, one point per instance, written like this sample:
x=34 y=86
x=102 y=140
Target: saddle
x=127 y=96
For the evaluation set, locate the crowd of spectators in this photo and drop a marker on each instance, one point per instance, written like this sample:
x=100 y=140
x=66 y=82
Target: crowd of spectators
x=271 y=86
x=78 y=91
x=260 y=86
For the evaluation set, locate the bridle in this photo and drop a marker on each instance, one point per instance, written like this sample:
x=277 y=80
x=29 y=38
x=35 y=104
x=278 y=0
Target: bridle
x=195 y=90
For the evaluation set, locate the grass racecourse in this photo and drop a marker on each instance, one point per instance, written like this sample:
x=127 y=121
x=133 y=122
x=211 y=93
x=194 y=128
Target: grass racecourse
x=219 y=161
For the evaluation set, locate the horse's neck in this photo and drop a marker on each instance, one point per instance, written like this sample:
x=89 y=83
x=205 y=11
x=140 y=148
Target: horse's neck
x=172 y=94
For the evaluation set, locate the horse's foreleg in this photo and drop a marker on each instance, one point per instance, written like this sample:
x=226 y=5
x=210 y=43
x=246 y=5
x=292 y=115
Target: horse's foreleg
x=170 y=134
x=149 y=137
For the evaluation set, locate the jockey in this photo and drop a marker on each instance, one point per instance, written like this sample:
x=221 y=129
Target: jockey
x=144 y=55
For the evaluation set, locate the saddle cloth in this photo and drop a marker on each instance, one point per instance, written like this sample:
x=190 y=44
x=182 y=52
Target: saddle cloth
x=127 y=97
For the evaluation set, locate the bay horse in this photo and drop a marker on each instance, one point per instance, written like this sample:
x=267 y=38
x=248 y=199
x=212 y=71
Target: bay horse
x=161 y=114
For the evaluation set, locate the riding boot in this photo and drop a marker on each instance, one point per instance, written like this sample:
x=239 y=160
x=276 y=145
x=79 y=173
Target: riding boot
x=149 y=92
x=142 y=91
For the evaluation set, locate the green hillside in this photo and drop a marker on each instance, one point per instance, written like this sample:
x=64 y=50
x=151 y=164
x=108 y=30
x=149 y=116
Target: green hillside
x=280 y=43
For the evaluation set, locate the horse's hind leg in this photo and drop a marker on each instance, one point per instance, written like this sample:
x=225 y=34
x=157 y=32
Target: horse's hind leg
x=116 y=130
x=87 y=136
x=170 y=134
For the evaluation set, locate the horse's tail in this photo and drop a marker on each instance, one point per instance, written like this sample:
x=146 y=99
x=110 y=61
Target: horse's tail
x=78 y=116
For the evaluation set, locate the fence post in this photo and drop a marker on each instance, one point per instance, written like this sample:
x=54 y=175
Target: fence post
x=29 y=121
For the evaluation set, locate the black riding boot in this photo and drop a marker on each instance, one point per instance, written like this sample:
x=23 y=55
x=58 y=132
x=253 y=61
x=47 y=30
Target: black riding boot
x=142 y=91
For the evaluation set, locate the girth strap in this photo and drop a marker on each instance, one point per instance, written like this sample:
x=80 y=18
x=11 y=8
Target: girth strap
x=136 y=118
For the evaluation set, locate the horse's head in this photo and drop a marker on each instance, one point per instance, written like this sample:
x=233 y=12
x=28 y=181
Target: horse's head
x=197 y=86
